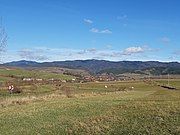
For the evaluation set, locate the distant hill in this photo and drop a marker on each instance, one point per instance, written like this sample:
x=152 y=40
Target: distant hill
x=22 y=63
x=103 y=66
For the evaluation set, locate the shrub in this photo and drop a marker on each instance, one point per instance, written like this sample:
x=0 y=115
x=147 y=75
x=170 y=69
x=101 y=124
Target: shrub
x=67 y=91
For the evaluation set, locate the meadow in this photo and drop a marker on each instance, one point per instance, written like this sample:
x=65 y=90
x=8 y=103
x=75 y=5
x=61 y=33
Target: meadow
x=14 y=73
x=126 y=107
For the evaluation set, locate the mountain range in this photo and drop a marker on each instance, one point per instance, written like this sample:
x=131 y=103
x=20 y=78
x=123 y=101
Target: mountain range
x=103 y=66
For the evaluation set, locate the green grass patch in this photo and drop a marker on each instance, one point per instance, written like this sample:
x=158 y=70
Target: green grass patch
x=146 y=109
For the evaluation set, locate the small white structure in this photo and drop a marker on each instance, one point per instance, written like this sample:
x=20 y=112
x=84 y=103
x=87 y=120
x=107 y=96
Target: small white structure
x=39 y=79
x=10 y=88
x=52 y=79
x=106 y=86
x=64 y=81
x=27 y=79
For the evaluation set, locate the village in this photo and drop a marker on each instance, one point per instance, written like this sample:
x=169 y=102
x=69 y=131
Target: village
x=81 y=79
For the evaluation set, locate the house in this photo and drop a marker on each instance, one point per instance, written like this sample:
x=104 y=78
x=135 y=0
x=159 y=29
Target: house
x=39 y=80
x=28 y=79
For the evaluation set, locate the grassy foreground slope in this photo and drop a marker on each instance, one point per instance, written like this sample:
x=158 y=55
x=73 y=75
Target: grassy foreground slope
x=144 y=110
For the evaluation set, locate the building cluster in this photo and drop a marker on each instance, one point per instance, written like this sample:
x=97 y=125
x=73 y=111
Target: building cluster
x=42 y=80
x=106 y=78
x=88 y=78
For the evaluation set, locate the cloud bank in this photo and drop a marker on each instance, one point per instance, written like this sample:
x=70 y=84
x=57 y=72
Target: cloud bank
x=42 y=54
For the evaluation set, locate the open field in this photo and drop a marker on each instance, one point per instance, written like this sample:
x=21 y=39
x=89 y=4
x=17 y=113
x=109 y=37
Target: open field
x=14 y=73
x=90 y=108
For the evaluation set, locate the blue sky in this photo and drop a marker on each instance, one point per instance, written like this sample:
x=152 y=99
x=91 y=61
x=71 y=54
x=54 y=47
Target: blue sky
x=56 y=30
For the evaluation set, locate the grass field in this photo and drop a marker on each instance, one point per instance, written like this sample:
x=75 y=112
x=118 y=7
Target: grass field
x=93 y=109
x=11 y=73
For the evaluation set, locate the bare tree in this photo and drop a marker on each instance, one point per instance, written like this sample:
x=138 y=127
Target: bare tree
x=3 y=38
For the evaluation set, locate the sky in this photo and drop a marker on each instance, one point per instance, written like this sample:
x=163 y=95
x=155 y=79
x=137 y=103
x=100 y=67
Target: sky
x=116 y=30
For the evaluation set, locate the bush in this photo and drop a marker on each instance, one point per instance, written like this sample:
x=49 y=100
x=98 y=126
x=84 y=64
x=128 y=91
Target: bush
x=121 y=89
x=67 y=91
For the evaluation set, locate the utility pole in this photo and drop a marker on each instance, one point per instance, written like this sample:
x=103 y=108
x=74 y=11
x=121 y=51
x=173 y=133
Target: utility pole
x=168 y=79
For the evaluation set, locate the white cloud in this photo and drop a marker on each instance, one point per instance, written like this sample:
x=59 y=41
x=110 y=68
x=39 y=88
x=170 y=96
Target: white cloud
x=105 y=31
x=94 y=30
x=88 y=21
x=42 y=54
x=133 y=50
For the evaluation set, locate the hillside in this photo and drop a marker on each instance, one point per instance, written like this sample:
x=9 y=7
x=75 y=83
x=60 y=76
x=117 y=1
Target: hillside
x=103 y=66
x=7 y=74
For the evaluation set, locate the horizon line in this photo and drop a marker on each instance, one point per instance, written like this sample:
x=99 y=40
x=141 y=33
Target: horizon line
x=92 y=60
